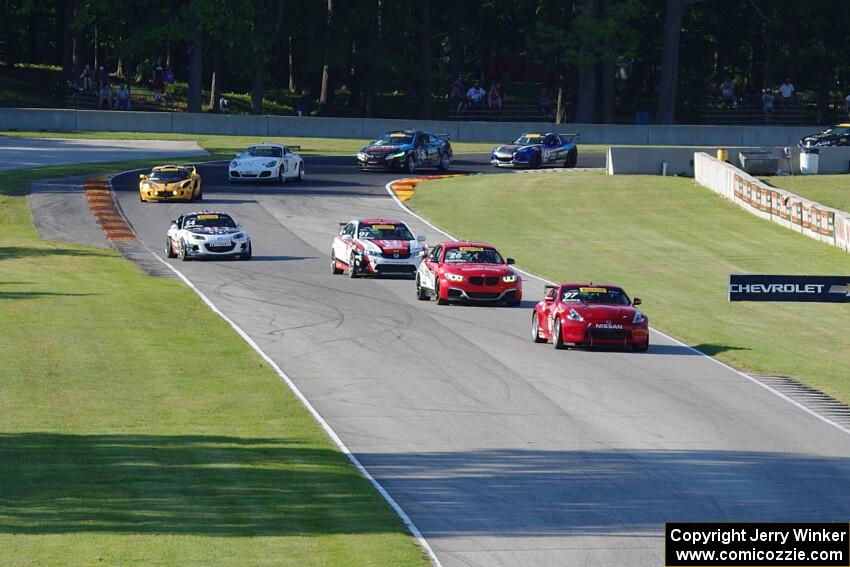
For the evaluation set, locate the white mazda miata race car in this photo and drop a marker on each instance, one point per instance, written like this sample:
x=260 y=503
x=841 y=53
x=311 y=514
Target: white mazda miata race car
x=266 y=162
x=207 y=234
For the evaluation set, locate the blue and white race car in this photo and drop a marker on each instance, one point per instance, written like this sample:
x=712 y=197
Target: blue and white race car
x=537 y=150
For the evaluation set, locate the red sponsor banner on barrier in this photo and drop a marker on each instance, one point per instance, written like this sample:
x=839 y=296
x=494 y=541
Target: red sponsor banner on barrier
x=775 y=203
x=796 y=212
x=806 y=215
x=739 y=187
x=823 y=222
x=764 y=199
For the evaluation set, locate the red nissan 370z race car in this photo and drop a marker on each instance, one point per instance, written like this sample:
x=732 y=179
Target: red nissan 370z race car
x=375 y=247
x=589 y=315
x=467 y=271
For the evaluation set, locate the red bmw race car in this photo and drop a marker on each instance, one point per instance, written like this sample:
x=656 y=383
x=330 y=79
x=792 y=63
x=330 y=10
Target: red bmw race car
x=467 y=271
x=589 y=315
x=375 y=247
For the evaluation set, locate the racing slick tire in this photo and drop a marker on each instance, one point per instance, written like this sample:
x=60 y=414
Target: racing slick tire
x=200 y=196
x=352 y=267
x=410 y=164
x=557 y=339
x=571 y=159
x=169 y=249
x=536 y=161
x=247 y=255
x=535 y=328
x=444 y=162
x=421 y=293
x=281 y=175
x=440 y=300
x=334 y=269
x=641 y=348
x=182 y=252
x=300 y=177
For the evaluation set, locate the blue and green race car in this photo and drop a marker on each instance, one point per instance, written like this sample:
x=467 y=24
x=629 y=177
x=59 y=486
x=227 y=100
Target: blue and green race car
x=538 y=150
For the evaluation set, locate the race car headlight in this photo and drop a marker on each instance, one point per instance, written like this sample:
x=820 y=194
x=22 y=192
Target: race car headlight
x=454 y=277
x=234 y=164
x=574 y=315
x=199 y=237
x=396 y=156
x=509 y=279
x=270 y=164
x=238 y=236
x=146 y=185
x=371 y=252
x=361 y=156
x=638 y=318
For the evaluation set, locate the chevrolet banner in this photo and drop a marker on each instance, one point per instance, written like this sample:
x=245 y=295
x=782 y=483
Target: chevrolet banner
x=823 y=289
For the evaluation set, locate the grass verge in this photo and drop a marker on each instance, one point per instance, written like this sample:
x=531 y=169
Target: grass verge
x=138 y=429
x=830 y=190
x=670 y=242
x=232 y=144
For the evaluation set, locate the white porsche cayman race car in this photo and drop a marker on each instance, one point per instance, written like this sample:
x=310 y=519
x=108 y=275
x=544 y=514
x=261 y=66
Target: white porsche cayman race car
x=207 y=234
x=266 y=162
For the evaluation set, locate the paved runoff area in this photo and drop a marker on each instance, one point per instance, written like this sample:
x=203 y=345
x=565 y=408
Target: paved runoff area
x=21 y=153
x=502 y=451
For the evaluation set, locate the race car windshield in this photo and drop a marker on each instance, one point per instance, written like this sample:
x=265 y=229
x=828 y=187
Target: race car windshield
x=209 y=221
x=594 y=295
x=169 y=175
x=384 y=232
x=393 y=140
x=837 y=132
x=528 y=139
x=473 y=255
x=265 y=151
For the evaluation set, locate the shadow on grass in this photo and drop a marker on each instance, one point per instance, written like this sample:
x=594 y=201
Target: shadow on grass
x=191 y=484
x=709 y=349
x=37 y=294
x=13 y=252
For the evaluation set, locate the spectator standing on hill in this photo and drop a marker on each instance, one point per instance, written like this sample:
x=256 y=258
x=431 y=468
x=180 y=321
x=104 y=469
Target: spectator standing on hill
x=494 y=96
x=169 y=83
x=787 y=92
x=751 y=95
x=158 y=79
x=476 y=94
x=767 y=100
x=547 y=108
x=727 y=91
x=104 y=95
x=87 y=76
x=222 y=106
x=457 y=94
x=122 y=97
x=102 y=77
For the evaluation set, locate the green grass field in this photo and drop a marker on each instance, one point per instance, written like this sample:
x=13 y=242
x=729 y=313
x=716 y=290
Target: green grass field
x=125 y=439
x=830 y=190
x=673 y=244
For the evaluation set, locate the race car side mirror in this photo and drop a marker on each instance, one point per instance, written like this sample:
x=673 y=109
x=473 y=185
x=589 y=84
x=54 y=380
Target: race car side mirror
x=510 y=261
x=174 y=222
x=420 y=238
x=422 y=254
x=637 y=301
x=142 y=176
x=346 y=237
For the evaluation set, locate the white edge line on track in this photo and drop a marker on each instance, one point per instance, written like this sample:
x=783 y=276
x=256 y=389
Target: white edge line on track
x=665 y=335
x=420 y=539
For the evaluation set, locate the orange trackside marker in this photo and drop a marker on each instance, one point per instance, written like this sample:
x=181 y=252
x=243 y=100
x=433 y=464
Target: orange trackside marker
x=102 y=206
x=405 y=188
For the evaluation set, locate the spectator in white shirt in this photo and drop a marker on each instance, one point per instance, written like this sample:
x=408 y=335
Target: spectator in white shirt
x=847 y=104
x=786 y=92
x=476 y=94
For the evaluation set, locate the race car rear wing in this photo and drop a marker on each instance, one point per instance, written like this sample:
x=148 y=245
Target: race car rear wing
x=571 y=137
x=445 y=137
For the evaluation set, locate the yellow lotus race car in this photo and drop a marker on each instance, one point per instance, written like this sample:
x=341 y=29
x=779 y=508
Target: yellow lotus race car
x=170 y=183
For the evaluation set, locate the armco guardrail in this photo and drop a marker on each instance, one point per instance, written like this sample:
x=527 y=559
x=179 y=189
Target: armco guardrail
x=782 y=207
x=184 y=123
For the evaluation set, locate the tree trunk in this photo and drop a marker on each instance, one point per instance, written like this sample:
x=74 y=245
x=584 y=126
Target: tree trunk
x=326 y=93
x=424 y=59
x=824 y=87
x=665 y=112
x=454 y=40
x=76 y=36
x=529 y=44
x=195 y=64
x=293 y=86
x=215 y=81
x=34 y=55
x=609 y=92
x=10 y=32
x=65 y=19
x=586 y=103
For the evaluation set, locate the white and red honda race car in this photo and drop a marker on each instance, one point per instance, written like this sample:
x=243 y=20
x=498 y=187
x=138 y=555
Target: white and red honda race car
x=376 y=247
